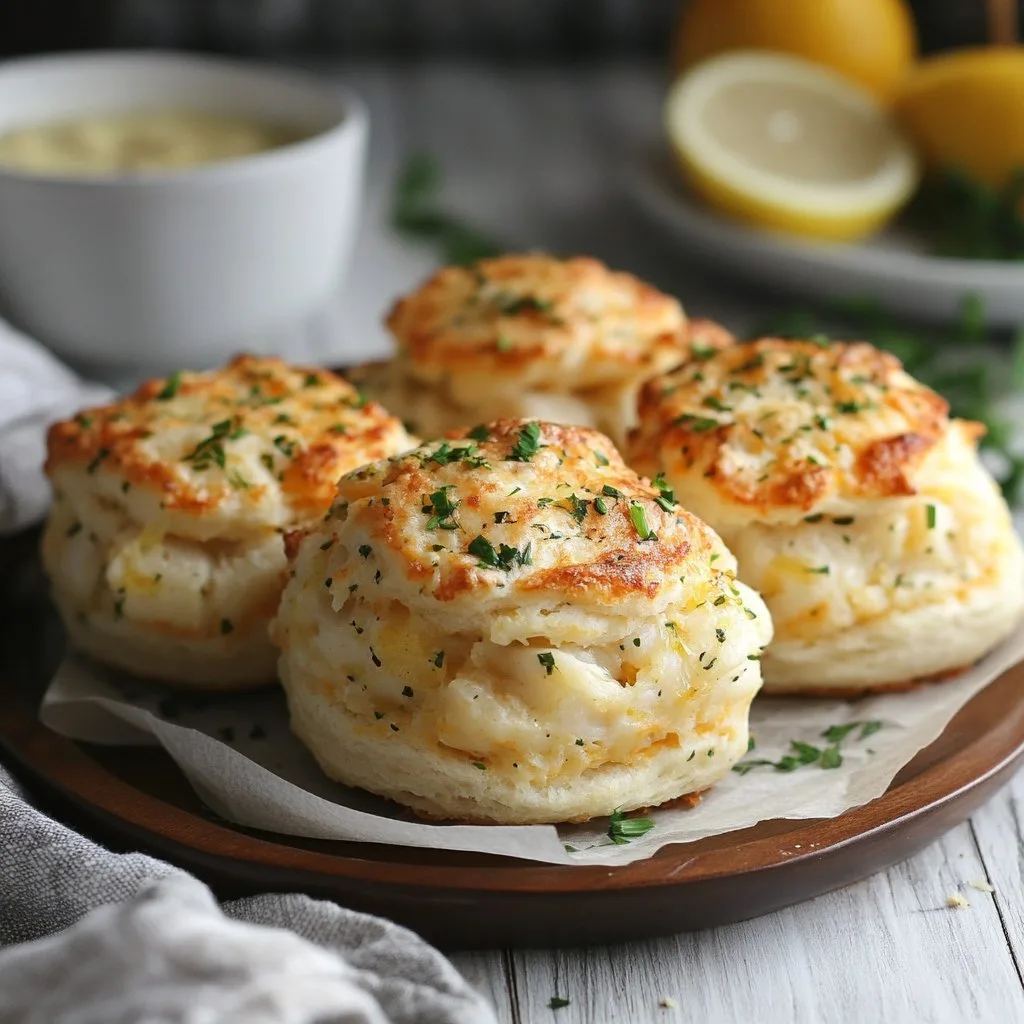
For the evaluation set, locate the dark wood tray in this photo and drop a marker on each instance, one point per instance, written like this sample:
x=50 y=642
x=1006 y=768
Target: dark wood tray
x=136 y=798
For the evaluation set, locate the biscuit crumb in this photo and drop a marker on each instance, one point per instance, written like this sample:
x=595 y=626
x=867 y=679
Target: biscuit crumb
x=956 y=901
x=981 y=886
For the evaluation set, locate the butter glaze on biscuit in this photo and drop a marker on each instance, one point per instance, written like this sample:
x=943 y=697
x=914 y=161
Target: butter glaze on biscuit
x=165 y=545
x=852 y=502
x=513 y=627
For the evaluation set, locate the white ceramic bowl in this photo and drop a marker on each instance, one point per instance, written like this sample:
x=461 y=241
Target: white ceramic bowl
x=150 y=272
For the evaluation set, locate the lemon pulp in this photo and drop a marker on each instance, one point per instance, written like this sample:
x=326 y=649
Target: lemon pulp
x=778 y=143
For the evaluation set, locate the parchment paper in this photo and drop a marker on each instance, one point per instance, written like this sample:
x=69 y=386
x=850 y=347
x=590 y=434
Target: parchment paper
x=240 y=757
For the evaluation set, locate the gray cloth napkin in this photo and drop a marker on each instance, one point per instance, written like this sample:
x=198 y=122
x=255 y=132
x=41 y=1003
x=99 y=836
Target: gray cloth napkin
x=35 y=390
x=106 y=938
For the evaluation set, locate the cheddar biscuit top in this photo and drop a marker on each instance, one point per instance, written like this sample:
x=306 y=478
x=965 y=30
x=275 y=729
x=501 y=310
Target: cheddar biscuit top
x=775 y=430
x=518 y=508
x=547 y=323
x=253 y=446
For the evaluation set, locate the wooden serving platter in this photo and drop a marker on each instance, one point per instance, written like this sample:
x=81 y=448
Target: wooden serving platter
x=136 y=798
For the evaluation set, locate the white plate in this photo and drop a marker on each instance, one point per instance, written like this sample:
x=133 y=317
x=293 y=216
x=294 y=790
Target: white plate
x=891 y=269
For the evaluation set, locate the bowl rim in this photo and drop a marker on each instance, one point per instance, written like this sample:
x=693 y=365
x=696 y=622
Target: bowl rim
x=351 y=117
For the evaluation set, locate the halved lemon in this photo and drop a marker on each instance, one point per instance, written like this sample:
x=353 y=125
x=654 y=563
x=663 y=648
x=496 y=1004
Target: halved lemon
x=777 y=142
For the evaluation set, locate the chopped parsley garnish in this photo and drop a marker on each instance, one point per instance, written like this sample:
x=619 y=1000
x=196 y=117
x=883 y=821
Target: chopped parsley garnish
x=622 y=830
x=407 y=691
x=611 y=492
x=821 y=570
x=557 y=1003
x=284 y=446
x=577 y=507
x=666 y=495
x=638 y=517
x=103 y=453
x=442 y=509
x=481 y=432
x=480 y=765
x=850 y=407
x=170 y=388
x=505 y=558
x=698 y=424
x=931 y=517
x=716 y=403
x=600 y=459
x=527 y=444
x=311 y=380
x=365 y=550
x=339 y=428
x=803 y=754
x=513 y=305
x=85 y=422
x=211 y=449
x=547 y=659
x=600 y=507
x=438 y=659
x=237 y=480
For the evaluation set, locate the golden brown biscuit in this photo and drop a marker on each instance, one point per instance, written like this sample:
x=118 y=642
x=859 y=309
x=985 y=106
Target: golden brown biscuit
x=853 y=504
x=530 y=336
x=165 y=545
x=514 y=627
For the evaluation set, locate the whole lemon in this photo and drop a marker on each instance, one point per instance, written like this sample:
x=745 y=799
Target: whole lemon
x=966 y=109
x=872 y=42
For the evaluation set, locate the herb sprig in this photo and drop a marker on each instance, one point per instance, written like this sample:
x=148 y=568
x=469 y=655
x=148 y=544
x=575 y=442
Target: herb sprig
x=418 y=215
x=803 y=754
x=622 y=830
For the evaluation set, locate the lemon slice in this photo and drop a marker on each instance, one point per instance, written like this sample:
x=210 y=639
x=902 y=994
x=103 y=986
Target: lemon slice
x=779 y=143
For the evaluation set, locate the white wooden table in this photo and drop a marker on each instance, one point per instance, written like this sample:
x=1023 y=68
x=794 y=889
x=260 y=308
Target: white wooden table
x=537 y=158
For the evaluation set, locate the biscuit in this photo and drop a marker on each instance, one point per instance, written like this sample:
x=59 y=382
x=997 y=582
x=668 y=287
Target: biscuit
x=852 y=502
x=530 y=336
x=165 y=544
x=513 y=627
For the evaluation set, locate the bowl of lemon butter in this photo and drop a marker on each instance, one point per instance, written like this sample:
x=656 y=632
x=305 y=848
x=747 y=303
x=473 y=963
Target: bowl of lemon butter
x=168 y=208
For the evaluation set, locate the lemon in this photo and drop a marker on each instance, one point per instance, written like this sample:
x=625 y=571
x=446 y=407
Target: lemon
x=871 y=42
x=966 y=108
x=777 y=142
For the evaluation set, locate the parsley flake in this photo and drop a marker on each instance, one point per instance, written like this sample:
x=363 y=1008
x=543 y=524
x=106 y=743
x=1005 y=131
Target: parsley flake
x=527 y=444
x=547 y=659
x=622 y=830
x=170 y=388
x=505 y=558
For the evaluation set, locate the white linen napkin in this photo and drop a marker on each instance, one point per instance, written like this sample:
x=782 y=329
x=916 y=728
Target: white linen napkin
x=35 y=390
